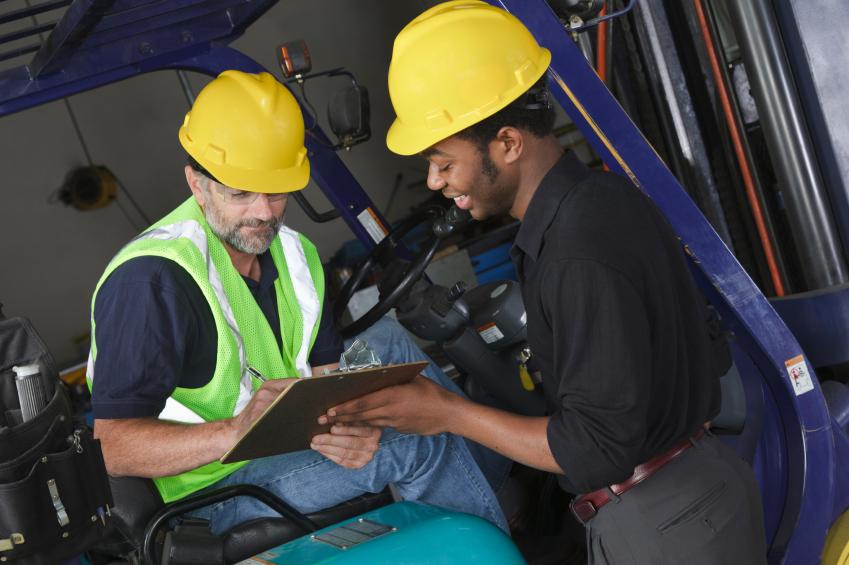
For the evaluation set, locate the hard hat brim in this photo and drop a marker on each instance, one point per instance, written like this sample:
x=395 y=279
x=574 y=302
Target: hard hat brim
x=268 y=182
x=276 y=181
x=405 y=139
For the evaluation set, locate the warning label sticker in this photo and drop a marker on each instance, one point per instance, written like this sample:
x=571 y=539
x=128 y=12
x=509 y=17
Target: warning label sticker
x=490 y=332
x=372 y=225
x=799 y=374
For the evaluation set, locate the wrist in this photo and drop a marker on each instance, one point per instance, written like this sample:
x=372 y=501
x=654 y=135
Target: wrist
x=453 y=411
x=227 y=435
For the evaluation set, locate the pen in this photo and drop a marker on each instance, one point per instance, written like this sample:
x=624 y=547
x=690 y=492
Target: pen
x=257 y=374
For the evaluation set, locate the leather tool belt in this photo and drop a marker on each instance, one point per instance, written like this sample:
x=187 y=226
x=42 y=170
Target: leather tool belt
x=54 y=492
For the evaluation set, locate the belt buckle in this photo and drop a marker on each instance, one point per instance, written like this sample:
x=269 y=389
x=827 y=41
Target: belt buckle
x=583 y=509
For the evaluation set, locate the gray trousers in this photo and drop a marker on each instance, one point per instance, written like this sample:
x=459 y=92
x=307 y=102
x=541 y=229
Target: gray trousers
x=702 y=508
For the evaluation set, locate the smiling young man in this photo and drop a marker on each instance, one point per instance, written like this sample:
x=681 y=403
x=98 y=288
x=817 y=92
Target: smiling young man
x=614 y=319
x=220 y=286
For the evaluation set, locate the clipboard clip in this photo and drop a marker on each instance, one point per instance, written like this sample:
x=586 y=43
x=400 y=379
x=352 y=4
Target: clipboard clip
x=358 y=356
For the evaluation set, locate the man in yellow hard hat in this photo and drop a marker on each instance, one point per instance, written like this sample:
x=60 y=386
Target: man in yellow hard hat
x=219 y=291
x=614 y=319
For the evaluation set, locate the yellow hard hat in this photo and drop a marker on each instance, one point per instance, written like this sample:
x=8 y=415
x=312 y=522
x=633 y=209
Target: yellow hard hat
x=247 y=130
x=455 y=65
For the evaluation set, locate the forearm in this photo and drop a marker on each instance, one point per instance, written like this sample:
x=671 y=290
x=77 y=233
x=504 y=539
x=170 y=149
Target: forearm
x=147 y=447
x=520 y=438
x=423 y=407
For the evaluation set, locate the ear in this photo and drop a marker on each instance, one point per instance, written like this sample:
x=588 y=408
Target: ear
x=510 y=143
x=194 y=184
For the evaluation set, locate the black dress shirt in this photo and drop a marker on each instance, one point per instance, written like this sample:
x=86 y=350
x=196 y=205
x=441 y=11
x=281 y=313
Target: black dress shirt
x=615 y=324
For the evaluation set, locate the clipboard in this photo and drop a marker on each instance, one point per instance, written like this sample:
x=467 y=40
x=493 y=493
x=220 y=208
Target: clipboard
x=291 y=421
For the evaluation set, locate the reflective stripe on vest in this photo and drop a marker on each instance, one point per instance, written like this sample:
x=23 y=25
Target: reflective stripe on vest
x=305 y=294
x=243 y=337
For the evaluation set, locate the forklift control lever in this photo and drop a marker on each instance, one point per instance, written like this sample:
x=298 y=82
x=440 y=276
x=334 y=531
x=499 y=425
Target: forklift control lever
x=455 y=219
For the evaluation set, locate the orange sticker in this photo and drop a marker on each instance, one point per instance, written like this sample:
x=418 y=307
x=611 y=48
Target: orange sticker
x=490 y=332
x=800 y=375
x=372 y=224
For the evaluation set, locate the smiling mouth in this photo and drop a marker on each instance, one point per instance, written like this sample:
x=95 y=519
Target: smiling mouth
x=463 y=201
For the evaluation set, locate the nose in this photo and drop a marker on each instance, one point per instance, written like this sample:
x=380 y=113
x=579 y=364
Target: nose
x=261 y=208
x=434 y=177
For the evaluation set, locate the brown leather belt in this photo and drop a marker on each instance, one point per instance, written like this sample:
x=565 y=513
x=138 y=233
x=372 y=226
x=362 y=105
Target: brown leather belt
x=586 y=506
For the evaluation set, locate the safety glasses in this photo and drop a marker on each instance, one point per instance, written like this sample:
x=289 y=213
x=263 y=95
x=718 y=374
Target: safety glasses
x=244 y=197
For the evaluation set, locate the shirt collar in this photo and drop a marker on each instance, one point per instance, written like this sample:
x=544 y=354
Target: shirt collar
x=567 y=172
x=268 y=273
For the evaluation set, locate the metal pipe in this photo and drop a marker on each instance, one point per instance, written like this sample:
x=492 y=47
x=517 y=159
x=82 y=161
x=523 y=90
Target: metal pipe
x=601 y=47
x=811 y=39
x=687 y=152
x=602 y=55
x=6 y=55
x=32 y=10
x=584 y=43
x=314 y=215
x=26 y=32
x=761 y=223
x=603 y=18
x=187 y=87
x=793 y=158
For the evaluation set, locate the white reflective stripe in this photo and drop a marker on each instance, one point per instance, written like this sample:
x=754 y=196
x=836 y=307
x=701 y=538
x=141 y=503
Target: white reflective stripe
x=305 y=293
x=192 y=230
x=89 y=370
x=245 y=392
x=177 y=412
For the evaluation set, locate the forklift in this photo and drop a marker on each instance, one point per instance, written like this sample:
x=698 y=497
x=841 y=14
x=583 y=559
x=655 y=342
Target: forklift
x=736 y=148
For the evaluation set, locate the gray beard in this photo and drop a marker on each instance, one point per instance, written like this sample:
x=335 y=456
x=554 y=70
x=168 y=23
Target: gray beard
x=233 y=236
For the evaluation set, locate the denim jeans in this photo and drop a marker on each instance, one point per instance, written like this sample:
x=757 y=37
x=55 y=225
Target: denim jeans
x=394 y=345
x=439 y=470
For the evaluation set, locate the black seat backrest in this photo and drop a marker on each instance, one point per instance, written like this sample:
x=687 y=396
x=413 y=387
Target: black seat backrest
x=136 y=501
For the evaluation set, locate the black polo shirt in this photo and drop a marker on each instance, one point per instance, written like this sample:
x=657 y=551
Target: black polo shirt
x=155 y=331
x=615 y=323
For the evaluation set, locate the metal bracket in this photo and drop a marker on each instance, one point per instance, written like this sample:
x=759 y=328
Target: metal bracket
x=61 y=513
x=315 y=216
x=353 y=533
x=8 y=544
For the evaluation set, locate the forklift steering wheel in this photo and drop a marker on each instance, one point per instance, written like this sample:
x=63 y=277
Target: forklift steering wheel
x=384 y=253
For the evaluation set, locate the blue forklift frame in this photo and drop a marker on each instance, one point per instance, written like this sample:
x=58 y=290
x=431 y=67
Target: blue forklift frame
x=798 y=451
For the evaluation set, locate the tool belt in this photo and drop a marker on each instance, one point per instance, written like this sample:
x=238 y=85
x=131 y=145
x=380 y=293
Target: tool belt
x=586 y=506
x=54 y=491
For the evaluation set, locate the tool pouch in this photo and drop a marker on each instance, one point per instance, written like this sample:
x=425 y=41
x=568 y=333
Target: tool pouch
x=54 y=491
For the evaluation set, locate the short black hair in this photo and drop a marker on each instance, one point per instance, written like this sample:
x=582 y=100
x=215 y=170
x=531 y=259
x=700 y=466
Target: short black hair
x=532 y=111
x=198 y=168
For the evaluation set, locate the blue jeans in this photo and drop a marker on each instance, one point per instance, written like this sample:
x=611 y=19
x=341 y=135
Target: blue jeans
x=394 y=345
x=439 y=470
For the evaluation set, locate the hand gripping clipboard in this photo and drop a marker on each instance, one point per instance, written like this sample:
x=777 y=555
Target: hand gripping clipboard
x=291 y=421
